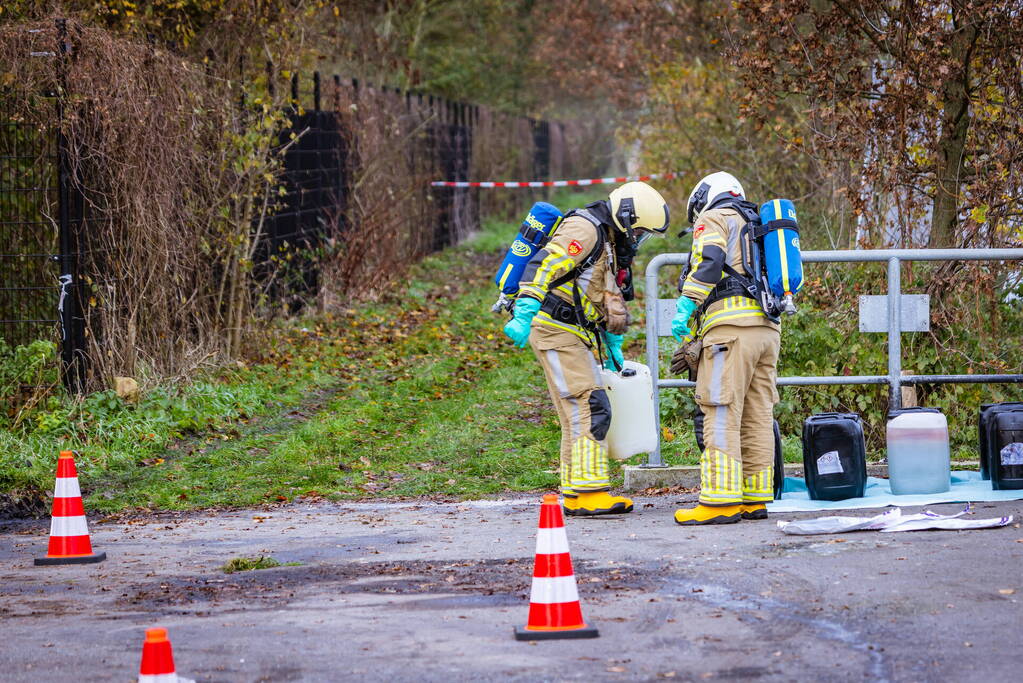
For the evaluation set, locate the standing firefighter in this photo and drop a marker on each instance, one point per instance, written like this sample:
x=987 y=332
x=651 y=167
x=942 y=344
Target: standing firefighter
x=570 y=307
x=737 y=344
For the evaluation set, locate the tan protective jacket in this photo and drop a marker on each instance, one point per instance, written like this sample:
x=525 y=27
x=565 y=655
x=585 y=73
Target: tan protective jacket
x=717 y=241
x=572 y=242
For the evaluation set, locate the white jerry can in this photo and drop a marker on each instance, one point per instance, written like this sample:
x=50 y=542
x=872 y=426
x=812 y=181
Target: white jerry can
x=631 y=394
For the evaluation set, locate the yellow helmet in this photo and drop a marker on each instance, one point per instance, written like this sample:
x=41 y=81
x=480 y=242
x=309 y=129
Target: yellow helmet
x=637 y=206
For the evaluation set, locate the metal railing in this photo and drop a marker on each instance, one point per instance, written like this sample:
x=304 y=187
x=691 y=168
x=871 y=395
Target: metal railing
x=894 y=379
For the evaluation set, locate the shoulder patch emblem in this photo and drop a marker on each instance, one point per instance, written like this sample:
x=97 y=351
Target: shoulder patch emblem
x=699 y=229
x=574 y=249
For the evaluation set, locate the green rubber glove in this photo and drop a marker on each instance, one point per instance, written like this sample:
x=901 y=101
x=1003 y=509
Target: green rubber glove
x=517 y=328
x=680 y=323
x=615 y=361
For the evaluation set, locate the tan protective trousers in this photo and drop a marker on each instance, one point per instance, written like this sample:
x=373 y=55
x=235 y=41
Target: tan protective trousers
x=735 y=388
x=574 y=383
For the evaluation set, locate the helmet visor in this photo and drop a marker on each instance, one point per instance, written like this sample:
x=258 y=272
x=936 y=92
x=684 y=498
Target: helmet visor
x=642 y=236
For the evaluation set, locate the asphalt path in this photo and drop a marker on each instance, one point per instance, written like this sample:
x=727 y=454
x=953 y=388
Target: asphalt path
x=432 y=591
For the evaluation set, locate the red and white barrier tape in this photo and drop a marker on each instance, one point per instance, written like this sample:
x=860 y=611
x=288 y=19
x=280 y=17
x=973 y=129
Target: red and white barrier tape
x=555 y=183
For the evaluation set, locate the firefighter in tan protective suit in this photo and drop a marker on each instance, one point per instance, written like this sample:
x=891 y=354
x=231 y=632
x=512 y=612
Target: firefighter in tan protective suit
x=737 y=367
x=570 y=307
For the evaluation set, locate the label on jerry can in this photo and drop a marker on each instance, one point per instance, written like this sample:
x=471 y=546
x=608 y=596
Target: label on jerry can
x=1012 y=454
x=829 y=463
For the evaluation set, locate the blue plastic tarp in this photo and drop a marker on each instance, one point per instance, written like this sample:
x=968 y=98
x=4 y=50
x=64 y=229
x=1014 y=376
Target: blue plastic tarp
x=966 y=487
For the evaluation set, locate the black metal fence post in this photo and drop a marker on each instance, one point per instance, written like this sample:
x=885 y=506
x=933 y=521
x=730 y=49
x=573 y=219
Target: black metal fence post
x=71 y=322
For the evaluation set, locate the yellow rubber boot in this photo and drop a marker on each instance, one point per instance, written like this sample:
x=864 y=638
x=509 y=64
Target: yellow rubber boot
x=569 y=502
x=598 y=503
x=754 y=511
x=709 y=514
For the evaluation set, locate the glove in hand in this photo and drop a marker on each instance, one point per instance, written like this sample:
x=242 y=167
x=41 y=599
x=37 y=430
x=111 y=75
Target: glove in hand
x=517 y=329
x=680 y=323
x=615 y=361
x=687 y=357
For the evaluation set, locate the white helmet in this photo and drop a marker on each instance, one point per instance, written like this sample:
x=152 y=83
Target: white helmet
x=709 y=190
x=637 y=206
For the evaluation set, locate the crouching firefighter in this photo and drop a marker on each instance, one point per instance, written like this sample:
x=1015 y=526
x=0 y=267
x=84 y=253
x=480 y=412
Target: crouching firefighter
x=571 y=309
x=737 y=344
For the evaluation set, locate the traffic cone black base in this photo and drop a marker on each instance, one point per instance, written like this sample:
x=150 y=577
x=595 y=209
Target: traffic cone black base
x=523 y=633
x=81 y=559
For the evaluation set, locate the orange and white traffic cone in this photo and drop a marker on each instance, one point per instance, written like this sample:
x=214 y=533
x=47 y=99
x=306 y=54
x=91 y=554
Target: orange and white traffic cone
x=554 y=610
x=69 y=532
x=158 y=659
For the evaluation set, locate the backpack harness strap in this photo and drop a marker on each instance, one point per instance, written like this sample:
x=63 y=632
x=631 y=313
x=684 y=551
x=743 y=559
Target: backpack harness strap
x=780 y=224
x=572 y=313
x=591 y=258
x=736 y=283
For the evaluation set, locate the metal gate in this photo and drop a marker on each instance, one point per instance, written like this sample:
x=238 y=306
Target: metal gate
x=660 y=311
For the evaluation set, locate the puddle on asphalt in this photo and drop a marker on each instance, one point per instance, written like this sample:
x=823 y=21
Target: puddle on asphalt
x=831 y=546
x=465 y=602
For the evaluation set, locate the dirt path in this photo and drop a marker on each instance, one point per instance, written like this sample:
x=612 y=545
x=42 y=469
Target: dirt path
x=431 y=592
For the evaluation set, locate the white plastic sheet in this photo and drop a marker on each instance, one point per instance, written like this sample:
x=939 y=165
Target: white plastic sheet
x=890 y=521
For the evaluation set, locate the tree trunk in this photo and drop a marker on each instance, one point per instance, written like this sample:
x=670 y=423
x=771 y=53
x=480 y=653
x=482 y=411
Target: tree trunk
x=955 y=125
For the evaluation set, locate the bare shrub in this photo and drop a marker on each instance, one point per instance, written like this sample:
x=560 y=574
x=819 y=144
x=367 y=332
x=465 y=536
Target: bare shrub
x=175 y=168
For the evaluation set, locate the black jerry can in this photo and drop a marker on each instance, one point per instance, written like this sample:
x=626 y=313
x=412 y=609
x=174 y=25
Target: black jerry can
x=779 y=459
x=1006 y=450
x=834 y=456
x=985 y=428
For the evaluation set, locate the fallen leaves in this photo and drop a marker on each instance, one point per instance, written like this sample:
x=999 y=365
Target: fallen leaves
x=667 y=491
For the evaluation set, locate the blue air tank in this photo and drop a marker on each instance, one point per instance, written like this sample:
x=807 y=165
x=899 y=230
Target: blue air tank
x=536 y=229
x=782 y=259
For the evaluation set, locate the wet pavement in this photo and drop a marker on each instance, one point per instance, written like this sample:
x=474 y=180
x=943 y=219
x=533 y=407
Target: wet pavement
x=432 y=592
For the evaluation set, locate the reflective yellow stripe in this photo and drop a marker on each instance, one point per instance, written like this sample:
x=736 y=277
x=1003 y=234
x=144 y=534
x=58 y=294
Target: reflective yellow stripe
x=733 y=308
x=760 y=487
x=544 y=319
x=550 y=269
x=695 y=286
x=589 y=464
x=721 y=477
x=781 y=250
x=554 y=228
x=504 y=277
x=719 y=480
x=555 y=259
x=695 y=259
